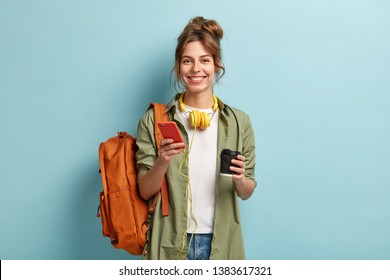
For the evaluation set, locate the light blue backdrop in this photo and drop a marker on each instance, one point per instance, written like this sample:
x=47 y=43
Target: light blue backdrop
x=313 y=75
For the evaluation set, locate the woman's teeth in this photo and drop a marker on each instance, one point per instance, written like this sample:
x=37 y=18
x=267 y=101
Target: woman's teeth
x=196 y=79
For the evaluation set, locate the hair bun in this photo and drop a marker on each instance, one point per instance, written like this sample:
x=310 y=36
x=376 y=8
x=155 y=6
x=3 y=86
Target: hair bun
x=209 y=25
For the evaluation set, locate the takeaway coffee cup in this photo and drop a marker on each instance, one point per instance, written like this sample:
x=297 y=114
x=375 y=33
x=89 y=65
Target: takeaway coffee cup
x=226 y=161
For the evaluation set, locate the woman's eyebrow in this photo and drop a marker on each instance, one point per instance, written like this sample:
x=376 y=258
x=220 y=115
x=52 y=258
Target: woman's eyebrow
x=202 y=56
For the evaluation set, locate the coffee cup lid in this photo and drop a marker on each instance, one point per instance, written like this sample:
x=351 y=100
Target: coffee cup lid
x=230 y=152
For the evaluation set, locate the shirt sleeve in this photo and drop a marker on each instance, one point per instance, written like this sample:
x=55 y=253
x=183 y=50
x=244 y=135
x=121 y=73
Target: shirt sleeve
x=249 y=149
x=146 y=153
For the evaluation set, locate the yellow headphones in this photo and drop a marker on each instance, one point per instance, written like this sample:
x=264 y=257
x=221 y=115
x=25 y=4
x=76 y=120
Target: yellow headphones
x=196 y=118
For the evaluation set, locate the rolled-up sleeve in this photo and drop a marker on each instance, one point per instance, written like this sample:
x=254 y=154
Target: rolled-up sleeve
x=146 y=153
x=249 y=148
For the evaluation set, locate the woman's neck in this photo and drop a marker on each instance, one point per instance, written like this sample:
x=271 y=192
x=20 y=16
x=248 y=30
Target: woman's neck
x=199 y=100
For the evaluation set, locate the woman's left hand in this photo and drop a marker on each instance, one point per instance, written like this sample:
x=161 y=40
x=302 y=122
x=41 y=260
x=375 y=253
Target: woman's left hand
x=244 y=186
x=238 y=168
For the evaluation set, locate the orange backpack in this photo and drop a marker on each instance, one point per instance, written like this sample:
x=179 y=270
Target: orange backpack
x=124 y=214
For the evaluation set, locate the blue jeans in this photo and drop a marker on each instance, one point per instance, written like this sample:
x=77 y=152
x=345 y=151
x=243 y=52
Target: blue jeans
x=200 y=246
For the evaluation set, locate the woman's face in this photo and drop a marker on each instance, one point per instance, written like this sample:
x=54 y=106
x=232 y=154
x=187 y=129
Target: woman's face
x=197 y=68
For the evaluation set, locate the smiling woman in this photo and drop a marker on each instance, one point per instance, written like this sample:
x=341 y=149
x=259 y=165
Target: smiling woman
x=197 y=70
x=204 y=222
x=208 y=34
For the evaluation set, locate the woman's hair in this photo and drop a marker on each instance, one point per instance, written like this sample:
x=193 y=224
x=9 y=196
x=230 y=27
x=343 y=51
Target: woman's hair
x=209 y=33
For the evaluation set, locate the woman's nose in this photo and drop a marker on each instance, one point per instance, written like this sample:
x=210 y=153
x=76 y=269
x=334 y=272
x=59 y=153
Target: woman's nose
x=196 y=67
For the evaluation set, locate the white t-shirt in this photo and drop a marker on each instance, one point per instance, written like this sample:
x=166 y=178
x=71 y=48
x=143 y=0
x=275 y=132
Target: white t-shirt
x=202 y=171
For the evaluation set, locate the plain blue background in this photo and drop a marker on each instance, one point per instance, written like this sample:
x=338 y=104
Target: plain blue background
x=313 y=75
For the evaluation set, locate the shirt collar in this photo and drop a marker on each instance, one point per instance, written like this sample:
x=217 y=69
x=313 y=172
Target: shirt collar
x=171 y=105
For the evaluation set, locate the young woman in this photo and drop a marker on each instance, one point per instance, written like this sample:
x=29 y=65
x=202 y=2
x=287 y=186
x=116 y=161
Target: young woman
x=204 y=221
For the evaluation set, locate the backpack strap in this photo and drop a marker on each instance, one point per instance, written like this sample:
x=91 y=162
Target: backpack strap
x=160 y=115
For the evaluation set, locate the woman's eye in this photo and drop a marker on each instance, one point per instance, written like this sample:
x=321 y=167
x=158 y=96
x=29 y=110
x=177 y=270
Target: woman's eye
x=186 y=61
x=205 y=60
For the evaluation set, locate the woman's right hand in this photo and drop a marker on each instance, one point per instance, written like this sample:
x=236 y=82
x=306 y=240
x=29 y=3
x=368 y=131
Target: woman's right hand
x=169 y=150
x=150 y=183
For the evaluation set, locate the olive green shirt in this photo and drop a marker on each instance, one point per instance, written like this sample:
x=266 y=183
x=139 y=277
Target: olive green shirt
x=167 y=237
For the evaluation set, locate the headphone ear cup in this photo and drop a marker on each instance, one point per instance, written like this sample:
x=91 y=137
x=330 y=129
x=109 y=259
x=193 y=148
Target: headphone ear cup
x=193 y=118
x=205 y=121
x=199 y=119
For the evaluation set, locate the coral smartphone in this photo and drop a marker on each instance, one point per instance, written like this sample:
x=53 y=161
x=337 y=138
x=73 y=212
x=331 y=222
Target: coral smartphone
x=169 y=130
